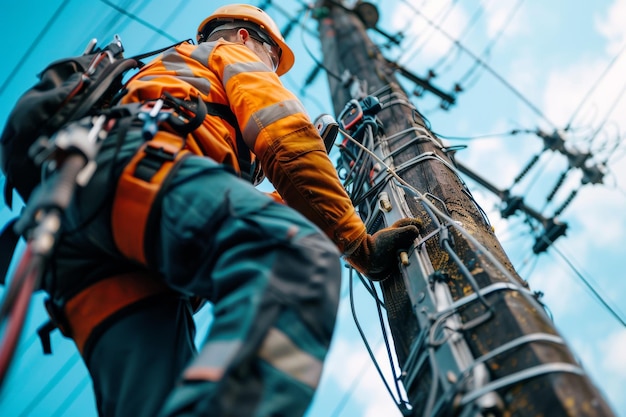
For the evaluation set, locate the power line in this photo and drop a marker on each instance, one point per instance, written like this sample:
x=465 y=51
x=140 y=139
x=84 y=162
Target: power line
x=609 y=111
x=176 y=11
x=53 y=382
x=442 y=17
x=140 y=20
x=496 y=38
x=112 y=21
x=482 y=63
x=72 y=396
x=594 y=86
x=33 y=45
x=470 y=25
x=590 y=287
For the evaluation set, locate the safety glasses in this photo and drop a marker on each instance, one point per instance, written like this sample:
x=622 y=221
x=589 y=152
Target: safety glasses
x=270 y=46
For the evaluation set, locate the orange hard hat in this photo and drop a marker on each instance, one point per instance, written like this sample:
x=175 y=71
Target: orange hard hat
x=249 y=13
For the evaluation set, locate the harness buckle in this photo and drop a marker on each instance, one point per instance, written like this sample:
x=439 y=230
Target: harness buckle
x=152 y=114
x=156 y=150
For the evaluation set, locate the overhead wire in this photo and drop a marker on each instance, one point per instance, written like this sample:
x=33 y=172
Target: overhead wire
x=464 y=83
x=486 y=66
x=104 y=1
x=139 y=20
x=587 y=283
x=176 y=11
x=31 y=49
x=52 y=383
x=72 y=360
x=610 y=110
x=409 y=22
x=317 y=62
x=453 y=47
x=399 y=401
x=512 y=132
x=593 y=87
x=289 y=78
x=108 y=24
x=441 y=17
x=71 y=397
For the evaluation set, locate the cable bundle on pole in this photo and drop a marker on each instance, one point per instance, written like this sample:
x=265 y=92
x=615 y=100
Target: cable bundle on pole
x=470 y=337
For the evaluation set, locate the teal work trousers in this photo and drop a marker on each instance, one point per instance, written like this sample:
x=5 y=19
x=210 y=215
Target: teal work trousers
x=272 y=277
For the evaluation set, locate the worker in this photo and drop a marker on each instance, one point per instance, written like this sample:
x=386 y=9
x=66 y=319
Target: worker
x=170 y=218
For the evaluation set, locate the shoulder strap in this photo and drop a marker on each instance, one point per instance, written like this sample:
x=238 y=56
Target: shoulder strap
x=139 y=57
x=243 y=152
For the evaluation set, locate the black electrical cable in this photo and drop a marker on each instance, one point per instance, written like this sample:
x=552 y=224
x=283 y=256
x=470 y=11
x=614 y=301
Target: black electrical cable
x=139 y=20
x=466 y=30
x=53 y=382
x=367 y=346
x=594 y=86
x=512 y=132
x=30 y=50
x=486 y=66
x=314 y=58
x=590 y=287
x=487 y=51
x=71 y=397
x=442 y=17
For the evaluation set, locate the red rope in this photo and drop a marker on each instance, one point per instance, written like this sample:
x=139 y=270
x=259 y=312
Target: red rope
x=15 y=306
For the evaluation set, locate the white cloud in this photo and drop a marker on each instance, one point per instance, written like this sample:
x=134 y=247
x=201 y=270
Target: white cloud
x=613 y=365
x=503 y=16
x=556 y=283
x=613 y=358
x=354 y=372
x=612 y=25
x=423 y=36
x=599 y=210
x=502 y=165
x=566 y=97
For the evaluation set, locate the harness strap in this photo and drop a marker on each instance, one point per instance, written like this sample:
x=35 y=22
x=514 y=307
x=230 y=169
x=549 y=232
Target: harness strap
x=137 y=190
x=92 y=306
x=246 y=166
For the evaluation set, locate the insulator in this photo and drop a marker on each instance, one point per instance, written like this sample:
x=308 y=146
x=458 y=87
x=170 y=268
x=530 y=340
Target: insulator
x=527 y=168
x=558 y=185
x=566 y=203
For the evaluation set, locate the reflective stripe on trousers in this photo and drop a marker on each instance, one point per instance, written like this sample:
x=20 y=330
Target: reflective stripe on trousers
x=274 y=281
x=272 y=276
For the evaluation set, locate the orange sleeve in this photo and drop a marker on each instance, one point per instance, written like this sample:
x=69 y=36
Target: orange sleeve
x=276 y=126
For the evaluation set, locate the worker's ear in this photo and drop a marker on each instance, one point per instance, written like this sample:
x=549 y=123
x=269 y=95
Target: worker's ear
x=243 y=35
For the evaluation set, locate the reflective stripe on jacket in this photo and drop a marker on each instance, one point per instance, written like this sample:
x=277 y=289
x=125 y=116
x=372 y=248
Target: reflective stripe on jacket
x=273 y=122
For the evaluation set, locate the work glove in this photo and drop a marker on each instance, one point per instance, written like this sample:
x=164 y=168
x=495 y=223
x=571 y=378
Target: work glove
x=377 y=255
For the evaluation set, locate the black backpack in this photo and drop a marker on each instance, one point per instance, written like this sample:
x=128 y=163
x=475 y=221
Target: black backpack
x=68 y=90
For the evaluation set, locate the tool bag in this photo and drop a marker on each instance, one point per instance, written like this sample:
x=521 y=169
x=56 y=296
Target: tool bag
x=68 y=90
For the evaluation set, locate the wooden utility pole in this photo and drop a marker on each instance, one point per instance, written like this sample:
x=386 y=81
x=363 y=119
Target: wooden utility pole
x=470 y=337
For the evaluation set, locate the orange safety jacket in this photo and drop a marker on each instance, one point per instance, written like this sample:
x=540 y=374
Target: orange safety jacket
x=274 y=124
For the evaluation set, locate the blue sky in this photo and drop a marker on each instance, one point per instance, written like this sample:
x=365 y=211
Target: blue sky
x=544 y=57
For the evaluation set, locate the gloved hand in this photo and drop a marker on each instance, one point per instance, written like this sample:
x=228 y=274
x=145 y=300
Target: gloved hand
x=376 y=256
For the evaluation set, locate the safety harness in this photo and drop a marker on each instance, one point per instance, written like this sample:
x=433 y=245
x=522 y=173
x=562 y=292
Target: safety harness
x=165 y=125
x=92 y=310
